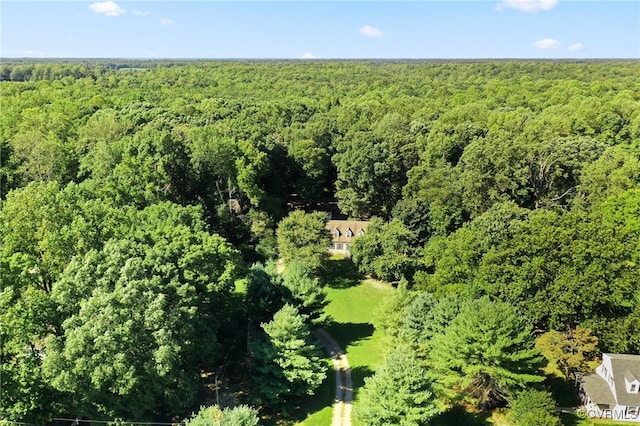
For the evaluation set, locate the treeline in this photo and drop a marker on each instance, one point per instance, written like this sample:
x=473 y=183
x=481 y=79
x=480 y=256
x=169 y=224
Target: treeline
x=137 y=193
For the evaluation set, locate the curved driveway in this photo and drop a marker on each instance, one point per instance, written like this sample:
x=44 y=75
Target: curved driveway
x=344 y=385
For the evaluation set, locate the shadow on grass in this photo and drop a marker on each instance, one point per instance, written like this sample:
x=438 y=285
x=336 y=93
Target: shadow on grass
x=358 y=374
x=563 y=392
x=340 y=273
x=459 y=416
x=322 y=398
x=569 y=419
x=347 y=333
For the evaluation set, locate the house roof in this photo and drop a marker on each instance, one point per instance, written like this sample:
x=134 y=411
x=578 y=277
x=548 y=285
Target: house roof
x=345 y=225
x=623 y=365
x=598 y=389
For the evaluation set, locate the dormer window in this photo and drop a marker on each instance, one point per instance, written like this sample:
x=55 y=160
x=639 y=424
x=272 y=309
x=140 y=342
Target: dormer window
x=631 y=382
x=336 y=233
x=361 y=233
x=349 y=233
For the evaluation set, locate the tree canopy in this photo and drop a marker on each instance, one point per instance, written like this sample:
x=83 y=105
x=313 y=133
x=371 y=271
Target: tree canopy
x=132 y=201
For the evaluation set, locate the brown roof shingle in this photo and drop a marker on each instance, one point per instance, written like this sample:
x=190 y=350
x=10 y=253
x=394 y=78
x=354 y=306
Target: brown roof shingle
x=343 y=226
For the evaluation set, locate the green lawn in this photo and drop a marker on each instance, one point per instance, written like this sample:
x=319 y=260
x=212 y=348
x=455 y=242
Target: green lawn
x=573 y=419
x=350 y=308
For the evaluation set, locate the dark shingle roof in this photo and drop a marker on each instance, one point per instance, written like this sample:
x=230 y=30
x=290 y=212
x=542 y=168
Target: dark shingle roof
x=625 y=365
x=598 y=389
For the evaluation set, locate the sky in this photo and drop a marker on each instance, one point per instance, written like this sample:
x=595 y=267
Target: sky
x=324 y=30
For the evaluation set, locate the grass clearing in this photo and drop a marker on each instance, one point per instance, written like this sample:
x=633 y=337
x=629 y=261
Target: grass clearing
x=351 y=306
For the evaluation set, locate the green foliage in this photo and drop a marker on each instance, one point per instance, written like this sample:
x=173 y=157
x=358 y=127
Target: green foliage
x=615 y=171
x=425 y=318
x=306 y=292
x=571 y=350
x=528 y=258
x=302 y=237
x=566 y=258
x=26 y=316
x=557 y=165
x=370 y=176
x=140 y=316
x=514 y=179
x=487 y=352
x=264 y=296
x=414 y=214
x=533 y=408
x=387 y=317
x=313 y=163
x=386 y=251
x=399 y=393
x=286 y=364
x=438 y=192
x=242 y=415
x=495 y=169
x=49 y=225
x=455 y=260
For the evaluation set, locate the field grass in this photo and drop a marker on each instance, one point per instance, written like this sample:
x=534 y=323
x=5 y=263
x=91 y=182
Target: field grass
x=351 y=305
x=574 y=419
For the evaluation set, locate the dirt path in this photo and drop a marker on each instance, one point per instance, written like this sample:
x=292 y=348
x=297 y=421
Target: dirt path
x=344 y=385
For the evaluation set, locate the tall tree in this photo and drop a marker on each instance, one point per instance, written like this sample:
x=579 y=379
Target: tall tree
x=571 y=350
x=399 y=393
x=302 y=237
x=487 y=352
x=27 y=316
x=387 y=251
x=306 y=292
x=425 y=318
x=141 y=317
x=286 y=363
x=264 y=296
x=370 y=177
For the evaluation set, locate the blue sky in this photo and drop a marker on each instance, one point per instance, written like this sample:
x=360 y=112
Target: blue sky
x=332 y=29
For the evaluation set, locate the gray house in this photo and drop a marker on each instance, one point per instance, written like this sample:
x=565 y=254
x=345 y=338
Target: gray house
x=613 y=391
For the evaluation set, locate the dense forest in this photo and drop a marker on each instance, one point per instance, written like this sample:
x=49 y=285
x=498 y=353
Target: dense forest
x=144 y=205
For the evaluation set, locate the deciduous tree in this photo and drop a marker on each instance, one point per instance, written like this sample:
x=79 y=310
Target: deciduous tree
x=302 y=237
x=571 y=350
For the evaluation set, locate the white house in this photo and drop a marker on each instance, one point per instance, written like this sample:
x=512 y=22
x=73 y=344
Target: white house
x=613 y=391
x=343 y=232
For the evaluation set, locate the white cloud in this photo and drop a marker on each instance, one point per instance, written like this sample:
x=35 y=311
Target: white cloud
x=140 y=12
x=308 y=55
x=576 y=47
x=370 y=31
x=527 y=5
x=547 y=43
x=166 y=22
x=108 y=8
